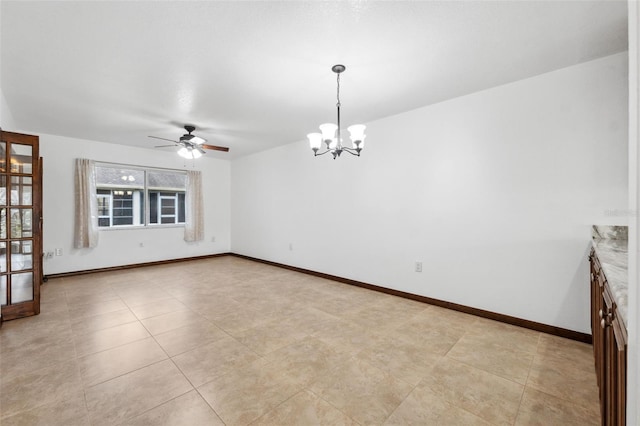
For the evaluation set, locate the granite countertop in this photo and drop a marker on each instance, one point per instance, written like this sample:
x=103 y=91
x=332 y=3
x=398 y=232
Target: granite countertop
x=610 y=244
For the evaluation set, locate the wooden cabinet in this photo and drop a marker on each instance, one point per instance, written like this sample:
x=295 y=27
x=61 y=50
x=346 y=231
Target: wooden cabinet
x=609 y=347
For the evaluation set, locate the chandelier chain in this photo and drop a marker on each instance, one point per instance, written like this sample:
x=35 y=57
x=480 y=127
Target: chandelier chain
x=339 y=135
x=338 y=92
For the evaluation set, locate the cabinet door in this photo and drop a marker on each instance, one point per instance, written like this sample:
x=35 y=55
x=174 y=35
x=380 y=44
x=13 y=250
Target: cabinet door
x=620 y=372
x=596 y=316
x=607 y=388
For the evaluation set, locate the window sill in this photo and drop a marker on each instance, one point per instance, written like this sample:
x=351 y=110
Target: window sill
x=135 y=227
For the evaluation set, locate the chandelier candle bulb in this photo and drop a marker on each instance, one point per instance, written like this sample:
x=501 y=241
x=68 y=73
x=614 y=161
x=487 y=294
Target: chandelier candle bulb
x=328 y=132
x=331 y=132
x=356 y=132
x=315 y=141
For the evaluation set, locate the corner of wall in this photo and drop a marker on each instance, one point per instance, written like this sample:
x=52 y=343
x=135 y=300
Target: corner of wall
x=7 y=121
x=633 y=348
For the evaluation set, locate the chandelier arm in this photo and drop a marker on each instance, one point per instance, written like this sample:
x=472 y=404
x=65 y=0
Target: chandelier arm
x=351 y=151
x=321 y=153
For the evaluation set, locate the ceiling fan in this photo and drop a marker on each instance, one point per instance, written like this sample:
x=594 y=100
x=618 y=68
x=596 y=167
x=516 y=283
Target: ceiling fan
x=191 y=146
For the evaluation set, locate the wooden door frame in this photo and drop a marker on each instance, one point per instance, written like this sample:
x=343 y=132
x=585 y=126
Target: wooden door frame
x=31 y=307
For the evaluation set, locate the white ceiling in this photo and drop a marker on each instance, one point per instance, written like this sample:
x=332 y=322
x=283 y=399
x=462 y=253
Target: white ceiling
x=254 y=75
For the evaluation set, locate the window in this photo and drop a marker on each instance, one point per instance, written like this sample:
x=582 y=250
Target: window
x=166 y=207
x=104 y=207
x=130 y=196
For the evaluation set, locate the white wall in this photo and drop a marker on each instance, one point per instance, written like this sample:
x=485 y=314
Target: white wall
x=6 y=118
x=633 y=355
x=122 y=247
x=494 y=192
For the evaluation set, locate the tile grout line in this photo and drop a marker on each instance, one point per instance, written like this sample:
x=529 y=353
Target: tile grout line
x=329 y=402
x=526 y=382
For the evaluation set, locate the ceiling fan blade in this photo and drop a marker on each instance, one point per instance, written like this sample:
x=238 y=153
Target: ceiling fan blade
x=215 y=148
x=164 y=139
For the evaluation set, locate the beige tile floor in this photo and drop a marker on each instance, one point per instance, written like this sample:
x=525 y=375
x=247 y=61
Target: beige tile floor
x=235 y=342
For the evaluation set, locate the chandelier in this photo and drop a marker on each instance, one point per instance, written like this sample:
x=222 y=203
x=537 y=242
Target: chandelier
x=331 y=135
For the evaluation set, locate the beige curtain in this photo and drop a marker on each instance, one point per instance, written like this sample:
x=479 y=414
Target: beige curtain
x=86 y=218
x=194 y=208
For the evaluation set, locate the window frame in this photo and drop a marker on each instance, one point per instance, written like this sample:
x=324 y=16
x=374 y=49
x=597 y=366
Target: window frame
x=174 y=201
x=146 y=201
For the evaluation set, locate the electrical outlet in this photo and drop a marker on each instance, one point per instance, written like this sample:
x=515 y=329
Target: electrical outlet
x=58 y=252
x=141 y=244
x=213 y=239
x=418 y=266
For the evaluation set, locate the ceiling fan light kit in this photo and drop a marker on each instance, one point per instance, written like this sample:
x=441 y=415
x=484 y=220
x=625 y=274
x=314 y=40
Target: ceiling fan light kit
x=189 y=153
x=331 y=134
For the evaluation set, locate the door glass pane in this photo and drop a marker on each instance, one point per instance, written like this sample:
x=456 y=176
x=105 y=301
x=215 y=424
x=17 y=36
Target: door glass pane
x=21 y=190
x=3 y=257
x=21 y=287
x=3 y=156
x=21 y=158
x=21 y=257
x=3 y=290
x=3 y=224
x=21 y=223
x=3 y=190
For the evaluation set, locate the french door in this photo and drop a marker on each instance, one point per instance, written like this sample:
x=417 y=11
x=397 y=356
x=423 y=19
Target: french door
x=20 y=225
